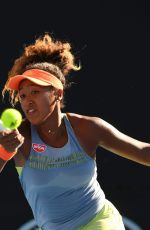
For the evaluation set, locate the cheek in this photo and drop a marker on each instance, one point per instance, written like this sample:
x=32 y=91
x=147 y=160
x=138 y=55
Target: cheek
x=46 y=103
x=23 y=107
x=43 y=103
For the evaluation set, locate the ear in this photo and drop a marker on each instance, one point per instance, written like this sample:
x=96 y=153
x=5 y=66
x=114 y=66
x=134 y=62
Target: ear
x=59 y=94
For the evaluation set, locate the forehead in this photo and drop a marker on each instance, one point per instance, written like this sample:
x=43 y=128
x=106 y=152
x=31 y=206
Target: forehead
x=26 y=83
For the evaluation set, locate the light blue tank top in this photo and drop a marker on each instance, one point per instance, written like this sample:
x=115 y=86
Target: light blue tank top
x=60 y=184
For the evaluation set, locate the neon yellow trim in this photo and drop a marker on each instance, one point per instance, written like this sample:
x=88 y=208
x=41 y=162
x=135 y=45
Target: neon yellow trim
x=19 y=170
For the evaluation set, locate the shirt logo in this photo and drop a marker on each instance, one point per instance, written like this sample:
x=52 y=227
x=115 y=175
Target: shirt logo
x=39 y=148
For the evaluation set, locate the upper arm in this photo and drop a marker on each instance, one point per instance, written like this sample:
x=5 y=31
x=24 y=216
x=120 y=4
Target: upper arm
x=119 y=143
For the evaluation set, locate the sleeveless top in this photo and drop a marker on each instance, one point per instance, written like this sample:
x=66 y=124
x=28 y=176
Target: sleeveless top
x=60 y=184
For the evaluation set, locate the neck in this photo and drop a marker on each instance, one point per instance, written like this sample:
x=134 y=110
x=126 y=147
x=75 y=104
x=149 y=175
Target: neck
x=52 y=124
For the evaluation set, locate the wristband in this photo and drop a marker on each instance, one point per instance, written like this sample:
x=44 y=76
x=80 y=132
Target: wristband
x=6 y=156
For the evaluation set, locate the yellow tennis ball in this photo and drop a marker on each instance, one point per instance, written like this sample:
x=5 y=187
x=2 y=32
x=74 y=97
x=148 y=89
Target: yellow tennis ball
x=11 y=118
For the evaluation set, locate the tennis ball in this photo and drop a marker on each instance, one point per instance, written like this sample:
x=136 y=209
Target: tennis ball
x=11 y=118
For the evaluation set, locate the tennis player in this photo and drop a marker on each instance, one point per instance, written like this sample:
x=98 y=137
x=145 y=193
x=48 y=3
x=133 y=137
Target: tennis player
x=58 y=150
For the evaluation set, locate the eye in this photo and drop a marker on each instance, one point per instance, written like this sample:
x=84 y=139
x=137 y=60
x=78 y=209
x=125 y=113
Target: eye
x=22 y=96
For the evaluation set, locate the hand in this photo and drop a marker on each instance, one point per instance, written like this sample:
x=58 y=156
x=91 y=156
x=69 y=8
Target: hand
x=11 y=140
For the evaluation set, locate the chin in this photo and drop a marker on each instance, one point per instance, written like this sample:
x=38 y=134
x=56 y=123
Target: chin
x=34 y=121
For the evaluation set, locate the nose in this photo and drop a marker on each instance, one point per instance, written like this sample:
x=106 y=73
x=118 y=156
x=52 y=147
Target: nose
x=30 y=102
x=29 y=99
x=27 y=102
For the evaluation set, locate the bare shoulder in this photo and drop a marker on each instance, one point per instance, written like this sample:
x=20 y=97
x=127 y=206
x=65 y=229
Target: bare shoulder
x=88 y=121
x=91 y=128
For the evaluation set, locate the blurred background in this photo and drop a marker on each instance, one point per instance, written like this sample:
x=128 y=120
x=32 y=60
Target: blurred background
x=108 y=38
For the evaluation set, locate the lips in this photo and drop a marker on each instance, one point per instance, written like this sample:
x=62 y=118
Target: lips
x=30 y=111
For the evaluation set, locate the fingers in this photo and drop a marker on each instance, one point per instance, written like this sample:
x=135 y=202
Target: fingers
x=11 y=140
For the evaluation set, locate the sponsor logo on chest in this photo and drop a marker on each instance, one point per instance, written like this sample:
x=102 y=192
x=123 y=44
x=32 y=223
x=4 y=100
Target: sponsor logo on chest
x=38 y=147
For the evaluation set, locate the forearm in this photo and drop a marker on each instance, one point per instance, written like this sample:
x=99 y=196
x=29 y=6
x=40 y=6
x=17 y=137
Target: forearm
x=2 y=164
x=129 y=148
x=124 y=145
x=146 y=155
x=9 y=144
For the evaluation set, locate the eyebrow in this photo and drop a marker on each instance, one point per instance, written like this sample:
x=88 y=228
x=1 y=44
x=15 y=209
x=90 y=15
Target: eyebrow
x=32 y=84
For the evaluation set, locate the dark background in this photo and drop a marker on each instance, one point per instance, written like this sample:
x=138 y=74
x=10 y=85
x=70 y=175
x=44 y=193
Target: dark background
x=109 y=40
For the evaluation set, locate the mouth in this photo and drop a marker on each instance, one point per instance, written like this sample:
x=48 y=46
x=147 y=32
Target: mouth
x=30 y=111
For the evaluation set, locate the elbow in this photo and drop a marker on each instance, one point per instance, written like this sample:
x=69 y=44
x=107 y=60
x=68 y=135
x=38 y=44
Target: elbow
x=146 y=156
x=142 y=155
x=147 y=163
x=145 y=159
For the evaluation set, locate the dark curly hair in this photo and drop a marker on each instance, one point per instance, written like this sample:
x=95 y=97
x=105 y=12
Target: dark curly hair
x=47 y=54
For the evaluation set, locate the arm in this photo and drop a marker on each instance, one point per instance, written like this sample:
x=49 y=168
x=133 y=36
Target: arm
x=10 y=141
x=115 y=141
x=93 y=132
x=2 y=164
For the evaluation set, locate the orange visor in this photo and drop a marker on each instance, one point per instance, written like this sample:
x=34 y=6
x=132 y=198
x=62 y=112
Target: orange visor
x=37 y=76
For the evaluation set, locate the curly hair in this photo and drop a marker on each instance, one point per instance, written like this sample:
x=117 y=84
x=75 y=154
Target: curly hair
x=47 y=54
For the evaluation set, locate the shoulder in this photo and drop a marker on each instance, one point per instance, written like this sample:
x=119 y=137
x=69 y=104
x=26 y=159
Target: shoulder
x=90 y=131
x=91 y=126
x=87 y=121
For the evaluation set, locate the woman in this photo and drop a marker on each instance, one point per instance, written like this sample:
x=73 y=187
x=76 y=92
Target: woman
x=58 y=150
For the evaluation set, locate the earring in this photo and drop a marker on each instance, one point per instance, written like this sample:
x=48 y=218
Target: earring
x=58 y=99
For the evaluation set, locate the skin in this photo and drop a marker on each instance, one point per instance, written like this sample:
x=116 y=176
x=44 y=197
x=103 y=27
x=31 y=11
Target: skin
x=41 y=106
